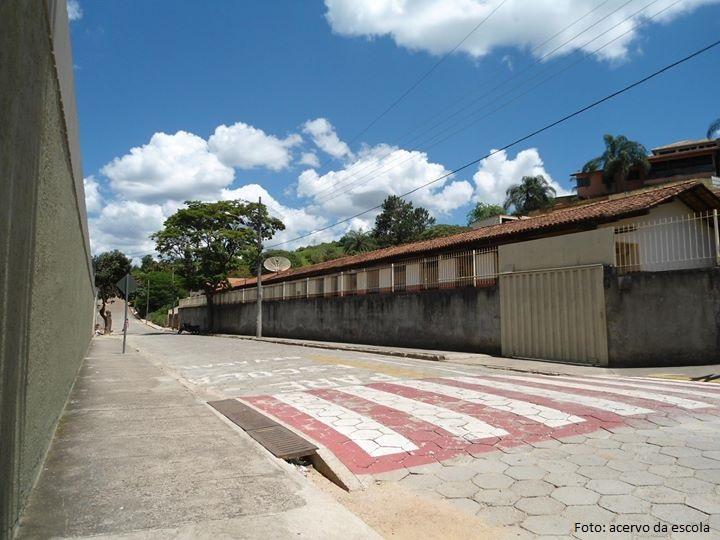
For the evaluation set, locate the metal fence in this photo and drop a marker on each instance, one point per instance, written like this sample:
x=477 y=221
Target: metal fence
x=472 y=268
x=673 y=243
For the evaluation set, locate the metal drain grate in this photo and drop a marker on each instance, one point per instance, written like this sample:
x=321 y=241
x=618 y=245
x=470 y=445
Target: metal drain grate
x=279 y=440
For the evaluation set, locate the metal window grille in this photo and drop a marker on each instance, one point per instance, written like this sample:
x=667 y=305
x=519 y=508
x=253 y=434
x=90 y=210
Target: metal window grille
x=674 y=243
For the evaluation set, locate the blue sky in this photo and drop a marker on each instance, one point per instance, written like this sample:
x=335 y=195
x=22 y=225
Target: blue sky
x=202 y=100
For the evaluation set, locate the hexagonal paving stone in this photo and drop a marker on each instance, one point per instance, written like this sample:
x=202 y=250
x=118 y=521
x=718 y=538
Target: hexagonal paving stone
x=609 y=487
x=489 y=465
x=641 y=478
x=659 y=494
x=525 y=472
x=587 y=514
x=594 y=472
x=500 y=515
x=670 y=471
x=575 y=495
x=564 y=479
x=492 y=481
x=557 y=466
x=698 y=463
x=366 y=434
x=420 y=481
x=588 y=459
x=677 y=513
x=548 y=525
x=538 y=506
x=532 y=488
x=392 y=476
x=453 y=490
x=496 y=497
x=459 y=473
x=464 y=505
x=624 y=504
x=689 y=485
x=679 y=451
x=625 y=465
x=709 y=504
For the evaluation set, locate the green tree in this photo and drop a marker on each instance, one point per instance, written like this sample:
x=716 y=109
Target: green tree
x=206 y=241
x=110 y=267
x=164 y=288
x=399 y=223
x=438 y=231
x=483 y=211
x=357 y=241
x=621 y=154
x=532 y=193
x=714 y=129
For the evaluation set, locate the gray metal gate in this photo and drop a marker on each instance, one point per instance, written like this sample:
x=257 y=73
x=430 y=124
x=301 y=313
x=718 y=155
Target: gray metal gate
x=555 y=314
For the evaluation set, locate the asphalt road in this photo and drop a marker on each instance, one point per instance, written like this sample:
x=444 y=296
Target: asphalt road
x=538 y=455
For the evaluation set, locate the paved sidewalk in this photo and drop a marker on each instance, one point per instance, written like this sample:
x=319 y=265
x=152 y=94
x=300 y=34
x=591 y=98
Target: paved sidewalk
x=136 y=455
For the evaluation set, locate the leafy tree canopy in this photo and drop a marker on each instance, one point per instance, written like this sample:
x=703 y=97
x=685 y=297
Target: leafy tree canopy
x=440 y=230
x=399 y=222
x=164 y=288
x=714 y=129
x=206 y=241
x=357 y=241
x=532 y=193
x=620 y=155
x=483 y=211
x=110 y=267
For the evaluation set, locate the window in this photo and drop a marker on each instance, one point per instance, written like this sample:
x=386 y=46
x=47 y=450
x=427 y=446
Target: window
x=430 y=274
x=399 y=277
x=373 y=280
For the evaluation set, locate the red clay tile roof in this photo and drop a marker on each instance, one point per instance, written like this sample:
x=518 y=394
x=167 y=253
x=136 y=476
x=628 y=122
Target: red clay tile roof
x=587 y=215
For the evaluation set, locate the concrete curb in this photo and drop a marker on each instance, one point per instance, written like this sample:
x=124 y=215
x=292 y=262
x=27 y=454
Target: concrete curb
x=338 y=347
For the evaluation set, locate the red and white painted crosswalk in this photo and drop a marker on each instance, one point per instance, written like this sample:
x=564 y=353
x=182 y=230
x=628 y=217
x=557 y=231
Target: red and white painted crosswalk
x=406 y=422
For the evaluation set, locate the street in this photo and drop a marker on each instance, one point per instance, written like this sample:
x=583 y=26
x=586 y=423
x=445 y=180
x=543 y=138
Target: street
x=567 y=456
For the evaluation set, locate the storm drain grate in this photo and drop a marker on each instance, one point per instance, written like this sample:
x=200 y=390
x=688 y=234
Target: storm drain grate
x=279 y=440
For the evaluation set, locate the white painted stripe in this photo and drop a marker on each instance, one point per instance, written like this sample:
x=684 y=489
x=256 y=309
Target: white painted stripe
x=665 y=382
x=652 y=396
x=616 y=407
x=373 y=437
x=459 y=424
x=627 y=383
x=537 y=413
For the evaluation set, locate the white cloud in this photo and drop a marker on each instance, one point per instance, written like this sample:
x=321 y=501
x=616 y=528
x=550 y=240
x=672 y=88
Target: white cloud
x=497 y=173
x=74 y=10
x=170 y=167
x=126 y=225
x=376 y=173
x=310 y=159
x=247 y=147
x=297 y=220
x=437 y=26
x=323 y=135
x=93 y=198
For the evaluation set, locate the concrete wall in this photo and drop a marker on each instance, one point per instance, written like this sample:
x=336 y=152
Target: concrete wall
x=589 y=247
x=46 y=291
x=663 y=318
x=465 y=319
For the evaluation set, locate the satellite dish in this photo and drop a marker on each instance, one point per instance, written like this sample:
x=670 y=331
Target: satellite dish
x=276 y=264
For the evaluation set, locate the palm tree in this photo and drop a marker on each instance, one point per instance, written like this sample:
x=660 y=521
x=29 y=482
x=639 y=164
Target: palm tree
x=621 y=154
x=714 y=129
x=532 y=193
x=357 y=242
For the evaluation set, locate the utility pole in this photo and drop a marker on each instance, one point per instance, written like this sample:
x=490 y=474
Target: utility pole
x=125 y=320
x=258 y=323
x=147 y=302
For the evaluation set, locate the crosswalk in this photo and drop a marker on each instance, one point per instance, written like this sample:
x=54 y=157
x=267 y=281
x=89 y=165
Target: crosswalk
x=405 y=422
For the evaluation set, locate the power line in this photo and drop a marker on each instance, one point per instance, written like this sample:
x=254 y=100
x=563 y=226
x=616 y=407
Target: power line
x=521 y=139
x=425 y=75
x=345 y=186
x=325 y=192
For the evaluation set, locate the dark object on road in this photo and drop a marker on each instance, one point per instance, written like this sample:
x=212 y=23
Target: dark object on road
x=192 y=328
x=279 y=440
